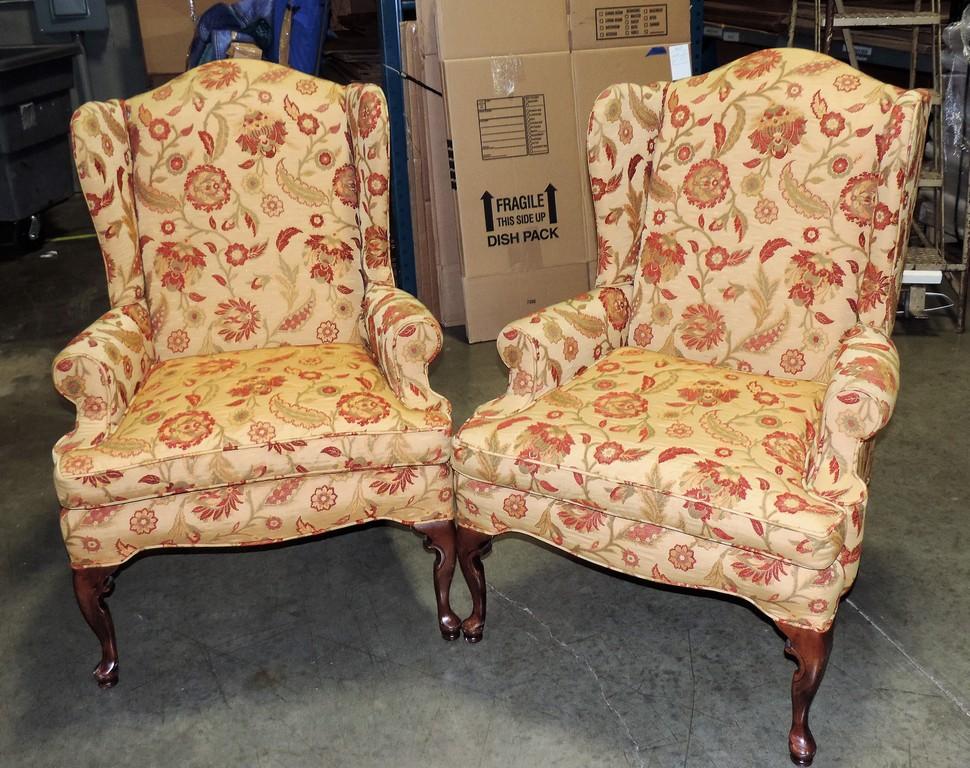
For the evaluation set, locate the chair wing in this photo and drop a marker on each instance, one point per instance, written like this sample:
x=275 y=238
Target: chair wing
x=900 y=149
x=623 y=128
x=370 y=137
x=99 y=137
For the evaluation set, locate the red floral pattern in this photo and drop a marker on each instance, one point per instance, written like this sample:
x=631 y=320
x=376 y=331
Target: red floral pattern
x=245 y=416
x=613 y=452
x=268 y=512
x=240 y=392
x=753 y=223
x=804 y=187
x=234 y=171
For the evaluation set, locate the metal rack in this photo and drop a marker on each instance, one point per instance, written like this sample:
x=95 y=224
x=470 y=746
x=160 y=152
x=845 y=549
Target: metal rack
x=869 y=54
x=392 y=13
x=697 y=35
x=928 y=251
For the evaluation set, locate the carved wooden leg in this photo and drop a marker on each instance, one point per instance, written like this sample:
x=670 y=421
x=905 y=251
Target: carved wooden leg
x=810 y=650
x=439 y=537
x=91 y=587
x=472 y=547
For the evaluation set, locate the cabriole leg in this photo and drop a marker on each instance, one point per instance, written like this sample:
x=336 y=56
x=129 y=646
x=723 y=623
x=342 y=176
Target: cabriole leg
x=810 y=650
x=439 y=537
x=91 y=587
x=472 y=547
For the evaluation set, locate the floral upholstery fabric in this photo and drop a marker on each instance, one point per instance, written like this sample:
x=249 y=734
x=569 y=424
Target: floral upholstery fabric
x=237 y=417
x=248 y=181
x=754 y=219
x=789 y=593
x=266 y=512
x=662 y=440
x=102 y=368
x=775 y=210
x=257 y=349
x=404 y=337
x=366 y=115
x=99 y=137
x=553 y=345
x=859 y=400
x=620 y=172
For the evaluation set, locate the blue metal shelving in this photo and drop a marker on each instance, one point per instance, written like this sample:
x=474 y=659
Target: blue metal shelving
x=697 y=35
x=392 y=13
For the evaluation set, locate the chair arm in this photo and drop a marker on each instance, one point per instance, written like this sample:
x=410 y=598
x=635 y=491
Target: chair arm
x=549 y=348
x=405 y=338
x=100 y=371
x=858 y=403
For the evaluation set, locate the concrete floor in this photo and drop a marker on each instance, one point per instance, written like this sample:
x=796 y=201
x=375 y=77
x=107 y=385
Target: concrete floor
x=326 y=653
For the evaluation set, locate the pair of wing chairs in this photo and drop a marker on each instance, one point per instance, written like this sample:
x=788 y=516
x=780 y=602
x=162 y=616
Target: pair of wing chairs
x=703 y=417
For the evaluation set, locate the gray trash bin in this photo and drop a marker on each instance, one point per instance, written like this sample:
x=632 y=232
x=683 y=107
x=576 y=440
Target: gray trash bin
x=36 y=170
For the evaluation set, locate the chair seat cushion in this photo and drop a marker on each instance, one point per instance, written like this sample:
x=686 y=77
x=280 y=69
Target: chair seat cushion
x=209 y=421
x=709 y=451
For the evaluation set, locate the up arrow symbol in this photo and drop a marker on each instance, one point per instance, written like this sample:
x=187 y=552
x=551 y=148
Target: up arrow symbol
x=551 y=197
x=487 y=205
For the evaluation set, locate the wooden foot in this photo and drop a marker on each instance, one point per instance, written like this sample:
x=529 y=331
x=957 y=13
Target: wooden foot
x=810 y=650
x=439 y=537
x=472 y=547
x=91 y=587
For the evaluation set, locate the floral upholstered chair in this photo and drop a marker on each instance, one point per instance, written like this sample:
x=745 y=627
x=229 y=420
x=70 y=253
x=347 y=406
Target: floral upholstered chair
x=258 y=378
x=703 y=416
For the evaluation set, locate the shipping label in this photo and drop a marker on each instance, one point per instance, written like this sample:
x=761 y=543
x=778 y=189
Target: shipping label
x=514 y=126
x=631 y=22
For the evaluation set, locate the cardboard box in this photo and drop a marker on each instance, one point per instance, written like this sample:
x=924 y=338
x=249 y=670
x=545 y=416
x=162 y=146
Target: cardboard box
x=593 y=71
x=518 y=185
x=516 y=108
x=470 y=29
x=418 y=169
x=494 y=301
x=166 y=33
x=426 y=13
x=451 y=295
x=620 y=23
x=592 y=268
x=444 y=215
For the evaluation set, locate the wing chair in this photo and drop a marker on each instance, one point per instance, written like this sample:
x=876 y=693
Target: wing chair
x=258 y=378
x=703 y=416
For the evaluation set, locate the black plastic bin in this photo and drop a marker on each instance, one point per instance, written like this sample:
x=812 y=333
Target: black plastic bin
x=35 y=114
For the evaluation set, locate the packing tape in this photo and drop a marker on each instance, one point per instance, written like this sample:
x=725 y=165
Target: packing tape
x=505 y=74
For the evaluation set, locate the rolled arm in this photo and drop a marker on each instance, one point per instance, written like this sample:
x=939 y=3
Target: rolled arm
x=405 y=338
x=100 y=371
x=858 y=402
x=547 y=349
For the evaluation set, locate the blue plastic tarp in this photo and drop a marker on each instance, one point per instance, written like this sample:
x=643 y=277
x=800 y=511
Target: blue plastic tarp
x=308 y=25
x=261 y=22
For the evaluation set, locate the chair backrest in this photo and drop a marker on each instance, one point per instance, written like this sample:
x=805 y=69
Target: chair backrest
x=760 y=210
x=244 y=202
